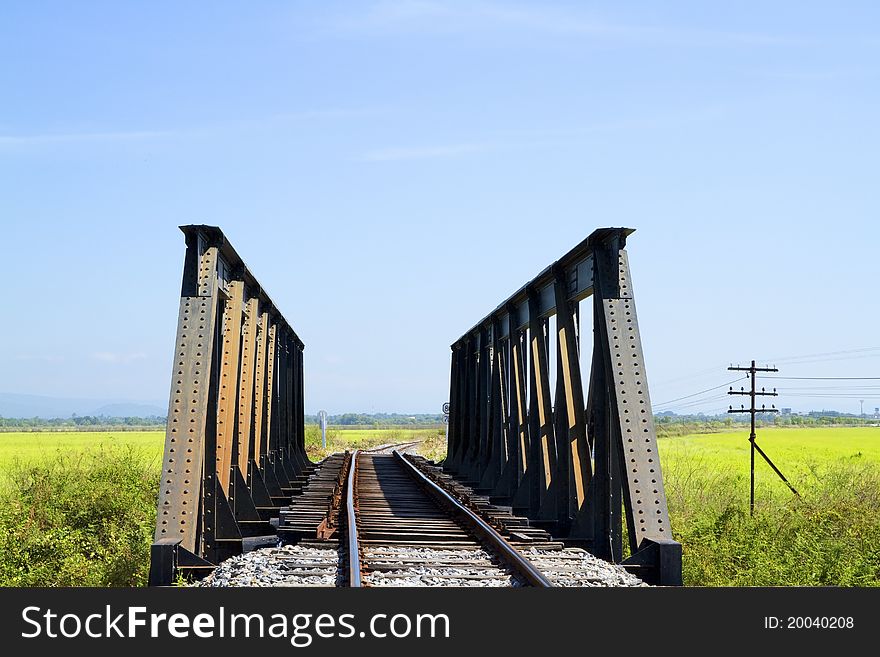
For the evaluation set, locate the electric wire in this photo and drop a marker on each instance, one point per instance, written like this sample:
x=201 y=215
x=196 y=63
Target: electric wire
x=666 y=403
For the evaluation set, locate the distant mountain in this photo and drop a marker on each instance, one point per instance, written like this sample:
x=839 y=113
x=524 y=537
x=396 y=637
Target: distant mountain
x=26 y=406
x=130 y=410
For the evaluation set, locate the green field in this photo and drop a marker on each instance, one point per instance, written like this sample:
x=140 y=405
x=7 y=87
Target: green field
x=803 y=455
x=34 y=447
x=31 y=447
x=791 y=447
x=79 y=508
x=795 y=451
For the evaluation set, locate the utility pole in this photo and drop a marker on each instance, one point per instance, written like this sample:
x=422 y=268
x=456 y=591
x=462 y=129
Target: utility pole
x=861 y=408
x=752 y=410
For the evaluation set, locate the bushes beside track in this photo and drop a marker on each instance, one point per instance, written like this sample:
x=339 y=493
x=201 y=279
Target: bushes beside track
x=79 y=519
x=826 y=537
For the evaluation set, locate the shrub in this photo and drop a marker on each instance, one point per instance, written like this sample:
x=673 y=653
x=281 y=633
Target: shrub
x=826 y=537
x=82 y=519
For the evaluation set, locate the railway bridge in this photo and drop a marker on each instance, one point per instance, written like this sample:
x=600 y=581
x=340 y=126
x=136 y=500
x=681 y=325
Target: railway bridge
x=541 y=472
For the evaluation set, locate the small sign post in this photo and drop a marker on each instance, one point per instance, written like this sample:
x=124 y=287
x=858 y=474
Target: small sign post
x=322 y=419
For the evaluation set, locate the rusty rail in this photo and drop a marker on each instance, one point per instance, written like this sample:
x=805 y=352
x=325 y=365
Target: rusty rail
x=461 y=524
x=516 y=560
x=354 y=552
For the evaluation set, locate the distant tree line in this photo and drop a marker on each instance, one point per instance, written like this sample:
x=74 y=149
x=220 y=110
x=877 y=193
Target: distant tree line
x=667 y=422
x=379 y=419
x=81 y=422
x=670 y=424
x=94 y=422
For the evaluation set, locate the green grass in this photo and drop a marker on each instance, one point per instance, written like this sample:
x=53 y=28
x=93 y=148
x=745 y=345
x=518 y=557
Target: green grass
x=342 y=439
x=84 y=518
x=826 y=536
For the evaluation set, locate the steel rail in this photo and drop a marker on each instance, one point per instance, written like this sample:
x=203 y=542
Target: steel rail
x=483 y=530
x=354 y=553
x=391 y=446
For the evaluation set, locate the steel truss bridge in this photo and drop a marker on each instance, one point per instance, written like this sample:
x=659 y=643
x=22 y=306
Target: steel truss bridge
x=584 y=468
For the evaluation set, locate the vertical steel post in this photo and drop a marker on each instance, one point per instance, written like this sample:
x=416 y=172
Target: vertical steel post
x=178 y=514
x=228 y=394
x=570 y=400
x=541 y=414
x=519 y=423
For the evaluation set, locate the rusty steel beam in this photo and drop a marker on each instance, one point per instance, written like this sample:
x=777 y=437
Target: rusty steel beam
x=229 y=464
x=578 y=467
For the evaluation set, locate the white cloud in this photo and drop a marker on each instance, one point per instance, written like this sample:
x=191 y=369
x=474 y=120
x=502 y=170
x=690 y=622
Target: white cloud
x=208 y=129
x=57 y=138
x=419 y=16
x=118 y=358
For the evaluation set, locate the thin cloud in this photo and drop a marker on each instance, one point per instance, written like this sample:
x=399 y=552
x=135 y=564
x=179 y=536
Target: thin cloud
x=221 y=127
x=118 y=358
x=71 y=137
x=418 y=16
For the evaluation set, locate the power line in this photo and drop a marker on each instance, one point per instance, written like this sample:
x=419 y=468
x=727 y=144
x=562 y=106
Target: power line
x=826 y=378
x=834 y=359
x=823 y=392
x=833 y=395
x=695 y=375
x=826 y=353
x=701 y=392
x=701 y=402
x=828 y=388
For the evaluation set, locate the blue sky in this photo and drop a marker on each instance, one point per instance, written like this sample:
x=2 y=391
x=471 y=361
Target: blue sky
x=391 y=171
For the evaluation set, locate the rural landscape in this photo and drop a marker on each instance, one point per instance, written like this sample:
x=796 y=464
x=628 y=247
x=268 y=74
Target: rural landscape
x=78 y=507
x=547 y=323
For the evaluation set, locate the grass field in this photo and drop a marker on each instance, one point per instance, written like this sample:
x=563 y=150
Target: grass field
x=803 y=456
x=79 y=508
x=32 y=447
x=795 y=451
x=793 y=447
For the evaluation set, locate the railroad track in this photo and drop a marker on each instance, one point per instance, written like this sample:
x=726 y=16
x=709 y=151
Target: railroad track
x=378 y=519
x=405 y=530
x=390 y=448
